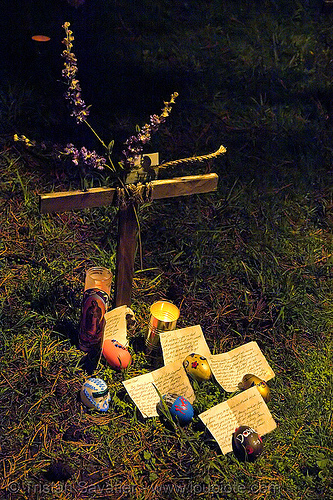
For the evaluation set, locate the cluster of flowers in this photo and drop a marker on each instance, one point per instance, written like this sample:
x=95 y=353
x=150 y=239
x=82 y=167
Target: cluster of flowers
x=80 y=110
x=132 y=154
x=85 y=158
x=135 y=143
x=24 y=139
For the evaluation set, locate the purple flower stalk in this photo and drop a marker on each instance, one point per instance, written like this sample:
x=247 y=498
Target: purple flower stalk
x=85 y=158
x=80 y=110
x=135 y=143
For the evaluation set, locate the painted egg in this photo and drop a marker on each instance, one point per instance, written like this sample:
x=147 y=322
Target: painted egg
x=197 y=367
x=250 y=380
x=246 y=444
x=95 y=394
x=180 y=408
x=116 y=354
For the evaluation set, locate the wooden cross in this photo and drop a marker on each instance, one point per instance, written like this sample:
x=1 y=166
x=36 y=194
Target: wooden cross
x=127 y=223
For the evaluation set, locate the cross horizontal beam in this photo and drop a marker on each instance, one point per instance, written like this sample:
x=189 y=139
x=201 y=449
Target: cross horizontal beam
x=97 y=197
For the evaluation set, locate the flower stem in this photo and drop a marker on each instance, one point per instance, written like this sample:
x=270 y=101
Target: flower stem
x=94 y=132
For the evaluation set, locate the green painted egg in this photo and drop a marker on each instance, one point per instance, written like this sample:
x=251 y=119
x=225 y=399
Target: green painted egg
x=197 y=367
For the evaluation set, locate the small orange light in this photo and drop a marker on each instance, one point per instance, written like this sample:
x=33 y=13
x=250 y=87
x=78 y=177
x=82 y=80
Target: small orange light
x=41 y=38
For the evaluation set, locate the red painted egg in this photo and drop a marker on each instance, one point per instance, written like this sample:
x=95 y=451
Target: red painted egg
x=116 y=354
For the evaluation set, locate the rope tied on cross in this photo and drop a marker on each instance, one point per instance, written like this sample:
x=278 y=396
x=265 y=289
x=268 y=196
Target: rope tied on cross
x=134 y=194
x=140 y=193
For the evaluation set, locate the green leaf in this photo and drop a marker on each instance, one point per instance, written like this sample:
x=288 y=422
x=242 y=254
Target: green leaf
x=110 y=146
x=322 y=464
x=153 y=476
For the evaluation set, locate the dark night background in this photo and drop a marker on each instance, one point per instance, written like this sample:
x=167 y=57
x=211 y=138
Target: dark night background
x=132 y=55
x=109 y=46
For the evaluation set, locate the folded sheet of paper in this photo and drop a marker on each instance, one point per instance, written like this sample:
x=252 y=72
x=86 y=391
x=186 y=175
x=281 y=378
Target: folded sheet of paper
x=228 y=367
x=116 y=325
x=168 y=379
x=177 y=344
x=247 y=408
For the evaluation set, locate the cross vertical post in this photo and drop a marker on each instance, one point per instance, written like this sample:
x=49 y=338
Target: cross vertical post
x=126 y=249
x=127 y=222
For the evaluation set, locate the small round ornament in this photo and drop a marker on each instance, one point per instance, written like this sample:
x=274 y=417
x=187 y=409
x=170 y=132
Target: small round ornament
x=116 y=354
x=250 y=380
x=197 y=367
x=246 y=444
x=179 y=407
x=95 y=394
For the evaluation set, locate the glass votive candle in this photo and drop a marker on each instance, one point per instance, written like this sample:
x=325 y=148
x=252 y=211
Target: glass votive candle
x=163 y=317
x=95 y=303
x=98 y=277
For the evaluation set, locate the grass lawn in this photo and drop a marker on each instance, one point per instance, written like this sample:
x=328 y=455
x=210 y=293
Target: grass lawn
x=251 y=262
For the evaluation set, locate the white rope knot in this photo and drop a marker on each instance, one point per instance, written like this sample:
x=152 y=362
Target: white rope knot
x=134 y=194
x=195 y=159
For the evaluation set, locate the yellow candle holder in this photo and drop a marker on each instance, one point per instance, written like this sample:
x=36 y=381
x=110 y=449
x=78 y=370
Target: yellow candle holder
x=163 y=317
x=98 y=277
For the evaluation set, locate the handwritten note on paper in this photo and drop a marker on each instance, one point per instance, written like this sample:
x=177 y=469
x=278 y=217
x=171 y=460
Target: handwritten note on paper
x=143 y=393
x=177 y=344
x=171 y=378
x=247 y=408
x=116 y=326
x=230 y=367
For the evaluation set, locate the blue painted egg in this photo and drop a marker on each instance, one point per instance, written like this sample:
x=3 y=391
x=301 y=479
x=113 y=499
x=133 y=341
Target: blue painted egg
x=180 y=408
x=95 y=394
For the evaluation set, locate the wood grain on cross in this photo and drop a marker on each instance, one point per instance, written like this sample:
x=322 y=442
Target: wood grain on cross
x=127 y=223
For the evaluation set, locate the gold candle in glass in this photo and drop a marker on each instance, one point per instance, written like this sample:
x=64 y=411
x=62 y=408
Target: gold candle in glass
x=98 y=277
x=163 y=317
